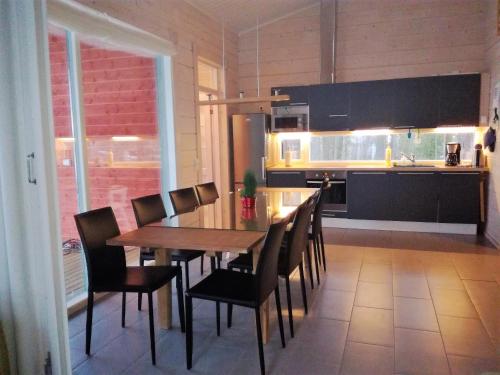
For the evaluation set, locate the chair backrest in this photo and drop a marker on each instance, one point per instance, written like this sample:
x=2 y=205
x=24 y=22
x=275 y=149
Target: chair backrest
x=266 y=274
x=148 y=209
x=207 y=193
x=298 y=236
x=184 y=200
x=104 y=263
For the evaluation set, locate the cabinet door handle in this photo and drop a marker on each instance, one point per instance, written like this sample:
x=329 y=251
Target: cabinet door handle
x=344 y=115
x=460 y=173
x=297 y=103
x=285 y=172
x=369 y=173
x=29 y=164
x=263 y=167
x=403 y=173
x=404 y=127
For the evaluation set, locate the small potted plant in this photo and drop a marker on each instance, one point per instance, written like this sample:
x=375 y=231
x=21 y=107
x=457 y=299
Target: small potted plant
x=247 y=194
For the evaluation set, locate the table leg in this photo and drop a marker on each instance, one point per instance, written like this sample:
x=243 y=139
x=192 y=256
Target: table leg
x=264 y=308
x=162 y=258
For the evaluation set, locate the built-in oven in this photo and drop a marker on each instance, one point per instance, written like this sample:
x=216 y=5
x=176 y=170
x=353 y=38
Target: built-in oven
x=290 y=118
x=335 y=196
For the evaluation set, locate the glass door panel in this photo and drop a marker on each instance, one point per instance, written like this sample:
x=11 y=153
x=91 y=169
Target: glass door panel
x=73 y=257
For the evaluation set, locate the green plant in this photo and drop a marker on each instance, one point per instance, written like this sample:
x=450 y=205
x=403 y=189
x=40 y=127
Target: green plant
x=250 y=185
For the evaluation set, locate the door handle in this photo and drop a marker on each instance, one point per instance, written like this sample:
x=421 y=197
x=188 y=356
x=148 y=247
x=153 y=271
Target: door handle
x=297 y=104
x=369 y=173
x=30 y=158
x=345 y=115
x=263 y=167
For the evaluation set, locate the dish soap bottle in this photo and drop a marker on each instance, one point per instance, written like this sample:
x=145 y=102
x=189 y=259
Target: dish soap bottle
x=388 y=155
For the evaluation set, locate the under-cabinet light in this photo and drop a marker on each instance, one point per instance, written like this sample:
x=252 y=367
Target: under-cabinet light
x=65 y=139
x=372 y=132
x=303 y=136
x=455 y=129
x=125 y=138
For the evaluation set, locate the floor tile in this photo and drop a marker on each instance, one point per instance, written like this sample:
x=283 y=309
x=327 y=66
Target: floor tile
x=333 y=304
x=376 y=273
x=467 y=337
x=415 y=313
x=453 y=303
x=410 y=285
x=472 y=366
x=420 y=352
x=374 y=295
x=372 y=326
x=377 y=255
x=361 y=359
x=444 y=277
x=346 y=281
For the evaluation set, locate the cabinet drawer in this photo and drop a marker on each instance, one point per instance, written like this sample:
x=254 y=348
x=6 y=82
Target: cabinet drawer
x=286 y=179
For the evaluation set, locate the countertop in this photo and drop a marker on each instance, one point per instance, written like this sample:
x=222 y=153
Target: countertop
x=372 y=167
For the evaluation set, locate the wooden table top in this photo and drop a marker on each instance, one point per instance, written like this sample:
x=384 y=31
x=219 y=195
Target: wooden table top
x=234 y=241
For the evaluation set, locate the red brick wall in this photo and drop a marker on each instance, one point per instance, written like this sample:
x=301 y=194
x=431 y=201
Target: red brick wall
x=119 y=99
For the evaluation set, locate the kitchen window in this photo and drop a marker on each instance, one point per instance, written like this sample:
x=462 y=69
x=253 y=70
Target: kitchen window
x=424 y=145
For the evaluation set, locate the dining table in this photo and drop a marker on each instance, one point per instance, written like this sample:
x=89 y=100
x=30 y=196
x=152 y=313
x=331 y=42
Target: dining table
x=238 y=230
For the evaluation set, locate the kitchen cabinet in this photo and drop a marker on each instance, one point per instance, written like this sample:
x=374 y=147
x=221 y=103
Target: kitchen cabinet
x=371 y=104
x=329 y=107
x=286 y=179
x=459 y=99
x=299 y=95
x=369 y=195
x=459 y=197
x=415 y=104
x=414 y=196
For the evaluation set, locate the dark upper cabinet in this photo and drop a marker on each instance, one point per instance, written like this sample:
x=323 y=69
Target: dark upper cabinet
x=329 y=107
x=459 y=198
x=299 y=95
x=286 y=179
x=415 y=102
x=369 y=195
x=414 y=196
x=371 y=104
x=459 y=99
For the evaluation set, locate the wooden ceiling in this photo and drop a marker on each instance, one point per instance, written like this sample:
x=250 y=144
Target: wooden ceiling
x=241 y=15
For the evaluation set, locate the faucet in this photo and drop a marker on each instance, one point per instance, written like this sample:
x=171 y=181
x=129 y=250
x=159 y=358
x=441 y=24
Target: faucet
x=410 y=157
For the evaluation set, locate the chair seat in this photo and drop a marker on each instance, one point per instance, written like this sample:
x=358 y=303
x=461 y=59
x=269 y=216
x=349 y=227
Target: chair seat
x=242 y=262
x=176 y=255
x=139 y=279
x=226 y=286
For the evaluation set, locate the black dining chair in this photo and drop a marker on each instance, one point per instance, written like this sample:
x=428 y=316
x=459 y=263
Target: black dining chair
x=291 y=254
x=150 y=209
x=316 y=233
x=207 y=193
x=184 y=201
x=107 y=270
x=242 y=289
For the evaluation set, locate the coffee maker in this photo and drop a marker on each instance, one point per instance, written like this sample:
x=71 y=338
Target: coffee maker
x=452 y=154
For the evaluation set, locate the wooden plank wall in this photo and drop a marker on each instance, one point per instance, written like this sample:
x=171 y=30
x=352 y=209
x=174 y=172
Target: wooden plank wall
x=190 y=30
x=492 y=62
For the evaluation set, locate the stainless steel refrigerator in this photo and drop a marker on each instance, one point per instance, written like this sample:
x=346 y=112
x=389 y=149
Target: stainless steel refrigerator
x=249 y=146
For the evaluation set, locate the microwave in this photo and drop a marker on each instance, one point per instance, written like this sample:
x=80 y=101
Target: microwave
x=290 y=118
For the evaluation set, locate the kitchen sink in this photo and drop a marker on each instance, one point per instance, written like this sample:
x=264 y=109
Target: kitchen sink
x=416 y=165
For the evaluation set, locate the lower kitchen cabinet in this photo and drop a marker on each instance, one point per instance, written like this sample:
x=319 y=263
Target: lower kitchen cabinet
x=459 y=197
x=286 y=179
x=414 y=196
x=369 y=195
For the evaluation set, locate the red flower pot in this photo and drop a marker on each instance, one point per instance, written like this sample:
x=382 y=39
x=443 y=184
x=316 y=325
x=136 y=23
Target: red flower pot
x=248 y=213
x=248 y=202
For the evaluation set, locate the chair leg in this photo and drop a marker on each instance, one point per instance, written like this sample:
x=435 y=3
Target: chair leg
x=259 y=341
x=186 y=270
x=88 y=330
x=212 y=263
x=322 y=249
x=229 y=315
x=316 y=256
x=152 y=328
x=189 y=332
x=316 y=242
x=219 y=257
x=217 y=313
x=139 y=298
x=303 y=286
x=289 y=303
x=124 y=298
x=309 y=264
x=280 y=316
x=180 y=300
x=202 y=264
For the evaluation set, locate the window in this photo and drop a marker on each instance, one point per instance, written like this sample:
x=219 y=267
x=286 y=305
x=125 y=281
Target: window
x=425 y=146
x=292 y=145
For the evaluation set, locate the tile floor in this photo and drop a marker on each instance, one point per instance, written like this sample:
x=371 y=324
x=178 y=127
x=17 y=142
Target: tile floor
x=389 y=303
